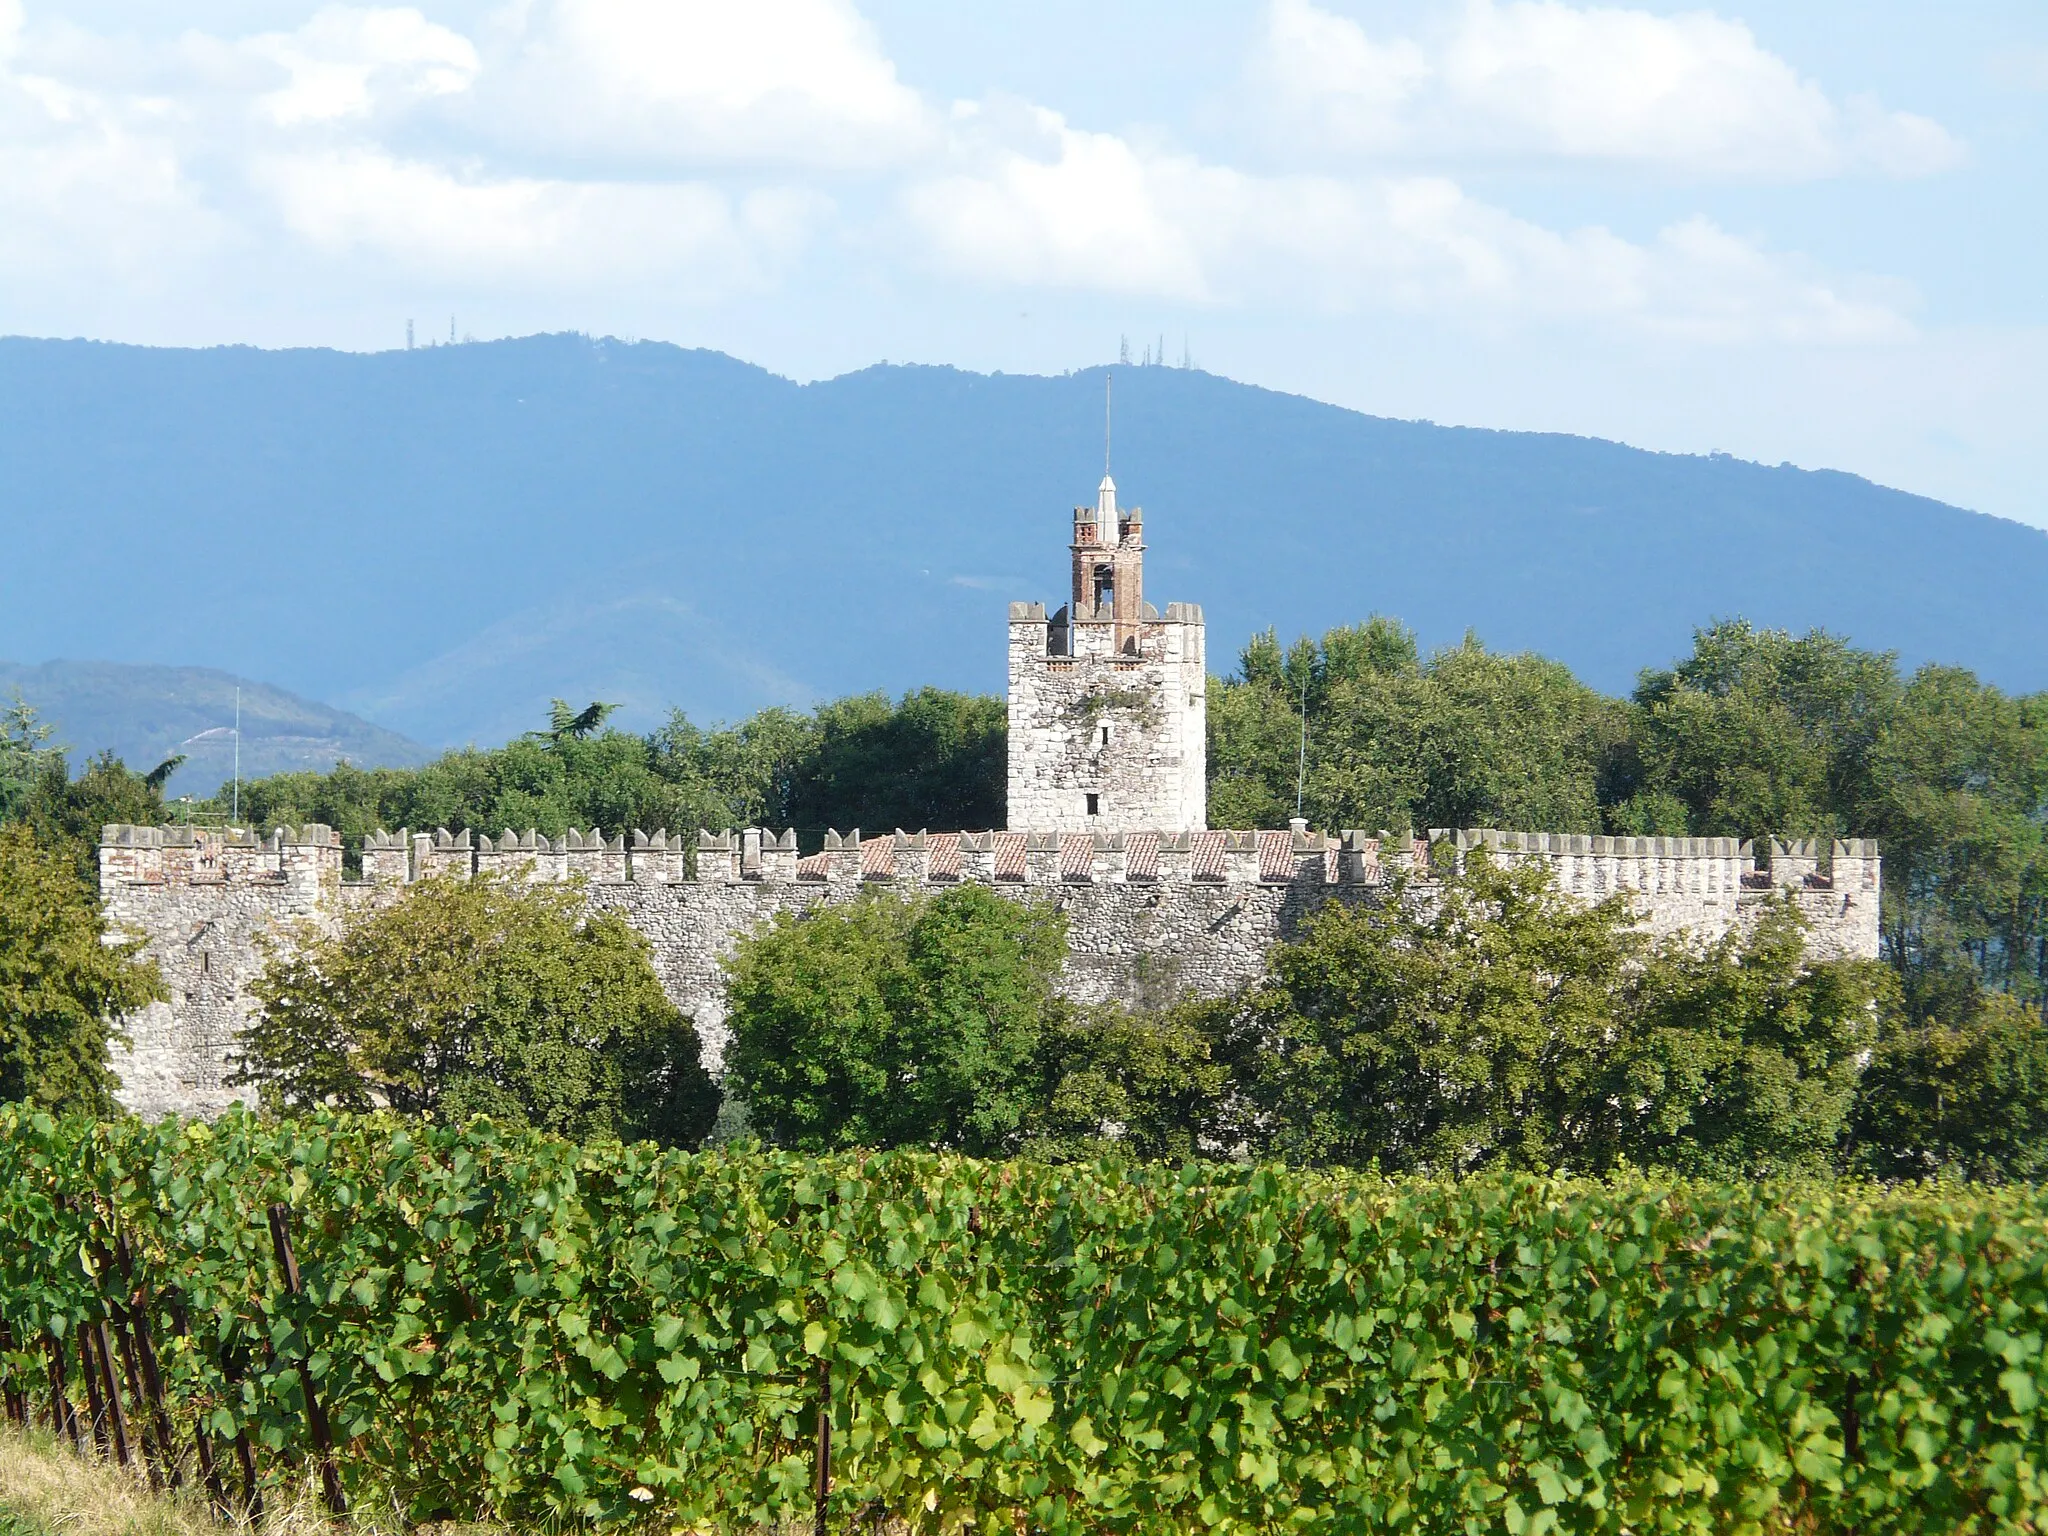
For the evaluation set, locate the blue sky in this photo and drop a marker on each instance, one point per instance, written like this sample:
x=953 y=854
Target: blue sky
x=1808 y=233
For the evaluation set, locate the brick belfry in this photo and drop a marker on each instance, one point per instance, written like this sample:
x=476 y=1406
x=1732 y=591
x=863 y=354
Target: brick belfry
x=1108 y=700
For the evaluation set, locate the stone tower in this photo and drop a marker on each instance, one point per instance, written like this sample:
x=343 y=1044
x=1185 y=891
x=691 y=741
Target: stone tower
x=1108 y=711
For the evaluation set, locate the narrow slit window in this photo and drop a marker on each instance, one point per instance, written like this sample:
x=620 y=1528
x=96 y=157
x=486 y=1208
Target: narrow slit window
x=1105 y=735
x=1095 y=805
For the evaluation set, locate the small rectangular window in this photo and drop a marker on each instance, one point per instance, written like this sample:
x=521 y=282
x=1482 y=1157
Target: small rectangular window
x=1095 y=805
x=1105 y=735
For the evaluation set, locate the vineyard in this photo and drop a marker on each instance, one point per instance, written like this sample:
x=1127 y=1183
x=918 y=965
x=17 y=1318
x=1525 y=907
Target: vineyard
x=471 y=1322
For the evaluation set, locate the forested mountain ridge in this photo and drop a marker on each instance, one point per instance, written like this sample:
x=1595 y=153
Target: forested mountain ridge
x=442 y=540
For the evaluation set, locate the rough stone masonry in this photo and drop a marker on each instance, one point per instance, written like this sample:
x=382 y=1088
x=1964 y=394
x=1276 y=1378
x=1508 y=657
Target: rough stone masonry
x=1107 y=813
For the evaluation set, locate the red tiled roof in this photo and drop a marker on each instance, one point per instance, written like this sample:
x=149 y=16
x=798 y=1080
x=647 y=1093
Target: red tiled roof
x=1276 y=856
x=1077 y=855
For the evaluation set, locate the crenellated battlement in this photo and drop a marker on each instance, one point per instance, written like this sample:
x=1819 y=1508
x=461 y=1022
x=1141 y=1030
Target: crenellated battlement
x=1586 y=865
x=1151 y=915
x=207 y=856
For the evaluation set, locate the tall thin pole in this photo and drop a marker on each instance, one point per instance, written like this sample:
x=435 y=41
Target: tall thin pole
x=1301 y=763
x=1108 y=379
x=235 y=814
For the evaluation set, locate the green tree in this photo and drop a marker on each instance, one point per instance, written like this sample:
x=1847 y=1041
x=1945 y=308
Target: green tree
x=1968 y=1100
x=484 y=996
x=1465 y=737
x=1957 y=794
x=68 y=813
x=1498 y=1021
x=936 y=759
x=1441 y=1035
x=1760 y=733
x=888 y=1022
x=64 y=981
x=1740 y=1059
x=1115 y=1081
x=24 y=745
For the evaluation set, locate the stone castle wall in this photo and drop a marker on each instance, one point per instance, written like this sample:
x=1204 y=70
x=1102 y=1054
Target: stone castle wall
x=1152 y=916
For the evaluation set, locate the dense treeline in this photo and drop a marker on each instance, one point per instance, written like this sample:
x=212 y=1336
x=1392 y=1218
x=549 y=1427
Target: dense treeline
x=1755 y=733
x=934 y=759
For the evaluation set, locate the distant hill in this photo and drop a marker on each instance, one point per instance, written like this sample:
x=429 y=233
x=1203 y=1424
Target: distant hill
x=146 y=714
x=443 y=539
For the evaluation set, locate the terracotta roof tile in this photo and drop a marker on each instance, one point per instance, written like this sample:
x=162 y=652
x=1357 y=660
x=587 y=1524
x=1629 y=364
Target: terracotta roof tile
x=1077 y=855
x=1276 y=856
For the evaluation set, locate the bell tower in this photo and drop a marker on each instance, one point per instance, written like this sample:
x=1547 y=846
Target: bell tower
x=1108 y=698
x=1109 y=566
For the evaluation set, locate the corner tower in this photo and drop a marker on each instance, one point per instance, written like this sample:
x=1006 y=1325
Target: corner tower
x=1108 y=700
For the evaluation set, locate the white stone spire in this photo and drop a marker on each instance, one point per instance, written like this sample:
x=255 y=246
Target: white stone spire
x=1105 y=504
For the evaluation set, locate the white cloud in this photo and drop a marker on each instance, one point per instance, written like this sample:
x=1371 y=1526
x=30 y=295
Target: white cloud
x=420 y=218
x=1692 y=93
x=571 y=146
x=92 y=193
x=1047 y=204
x=784 y=82
x=342 y=60
x=1066 y=208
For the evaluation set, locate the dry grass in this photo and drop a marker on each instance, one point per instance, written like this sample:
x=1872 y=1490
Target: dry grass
x=46 y=1490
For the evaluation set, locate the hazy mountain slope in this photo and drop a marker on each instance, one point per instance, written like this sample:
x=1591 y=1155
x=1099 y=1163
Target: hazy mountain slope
x=444 y=539
x=148 y=713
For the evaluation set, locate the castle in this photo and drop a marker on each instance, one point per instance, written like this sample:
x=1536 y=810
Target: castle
x=1107 y=819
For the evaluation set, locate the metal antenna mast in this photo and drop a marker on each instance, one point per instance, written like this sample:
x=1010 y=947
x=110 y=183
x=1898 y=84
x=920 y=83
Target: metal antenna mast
x=1301 y=763
x=1108 y=379
x=236 y=814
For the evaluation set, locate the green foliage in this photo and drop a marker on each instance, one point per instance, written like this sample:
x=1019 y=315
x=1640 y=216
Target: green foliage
x=1762 y=734
x=1743 y=1058
x=482 y=996
x=1122 y=1083
x=1966 y=1100
x=24 y=743
x=1464 y=738
x=62 y=984
x=935 y=759
x=1958 y=794
x=67 y=814
x=1500 y=1022
x=513 y=1326
x=889 y=1022
x=1756 y=733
